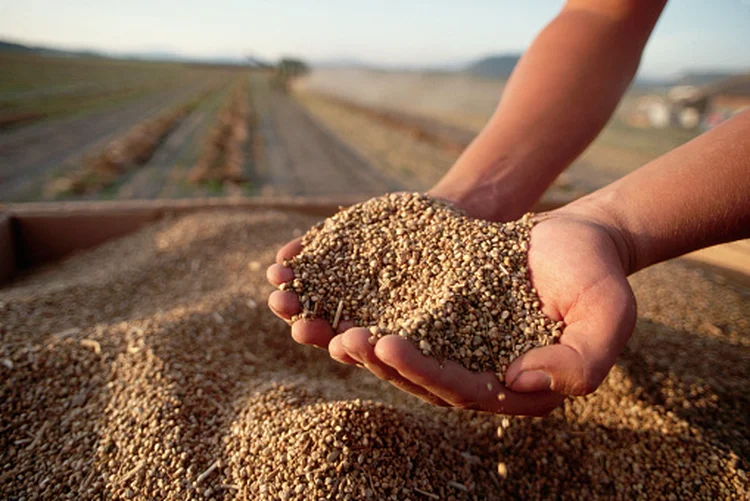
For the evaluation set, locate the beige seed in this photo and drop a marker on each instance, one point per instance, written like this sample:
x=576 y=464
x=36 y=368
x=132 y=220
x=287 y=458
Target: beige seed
x=425 y=346
x=502 y=470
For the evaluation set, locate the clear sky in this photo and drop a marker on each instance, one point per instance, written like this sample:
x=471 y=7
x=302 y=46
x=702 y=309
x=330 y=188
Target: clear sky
x=704 y=34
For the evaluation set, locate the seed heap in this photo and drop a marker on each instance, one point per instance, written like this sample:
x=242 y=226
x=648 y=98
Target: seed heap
x=339 y=450
x=149 y=365
x=411 y=265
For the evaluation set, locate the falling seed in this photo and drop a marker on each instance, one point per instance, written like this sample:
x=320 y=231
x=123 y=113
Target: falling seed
x=502 y=470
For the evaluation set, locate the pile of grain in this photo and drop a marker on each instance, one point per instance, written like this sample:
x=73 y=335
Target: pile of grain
x=151 y=366
x=411 y=265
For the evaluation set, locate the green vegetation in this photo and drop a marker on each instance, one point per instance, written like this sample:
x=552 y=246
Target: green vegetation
x=34 y=87
x=287 y=70
x=214 y=187
x=22 y=72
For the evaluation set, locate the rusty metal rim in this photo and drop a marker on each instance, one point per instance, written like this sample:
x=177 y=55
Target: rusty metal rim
x=35 y=233
x=38 y=232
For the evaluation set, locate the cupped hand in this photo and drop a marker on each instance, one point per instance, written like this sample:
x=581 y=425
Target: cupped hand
x=577 y=266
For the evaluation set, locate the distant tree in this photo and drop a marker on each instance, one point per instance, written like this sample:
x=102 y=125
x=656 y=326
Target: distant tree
x=287 y=70
x=293 y=67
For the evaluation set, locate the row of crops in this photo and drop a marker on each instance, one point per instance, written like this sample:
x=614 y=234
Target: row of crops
x=93 y=129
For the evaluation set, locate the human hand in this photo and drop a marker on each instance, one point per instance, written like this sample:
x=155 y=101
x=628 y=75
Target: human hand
x=577 y=268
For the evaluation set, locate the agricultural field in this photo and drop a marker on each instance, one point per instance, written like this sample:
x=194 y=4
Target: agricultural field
x=83 y=126
x=94 y=128
x=450 y=108
x=84 y=129
x=35 y=88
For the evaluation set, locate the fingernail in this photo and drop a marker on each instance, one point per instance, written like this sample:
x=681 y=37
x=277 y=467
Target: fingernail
x=529 y=381
x=355 y=357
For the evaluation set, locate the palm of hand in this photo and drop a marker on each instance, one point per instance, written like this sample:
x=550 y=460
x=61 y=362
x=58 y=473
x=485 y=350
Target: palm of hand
x=576 y=268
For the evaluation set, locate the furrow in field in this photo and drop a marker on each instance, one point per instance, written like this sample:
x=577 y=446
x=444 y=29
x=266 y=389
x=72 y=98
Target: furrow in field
x=223 y=157
x=156 y=178
x=28 y=155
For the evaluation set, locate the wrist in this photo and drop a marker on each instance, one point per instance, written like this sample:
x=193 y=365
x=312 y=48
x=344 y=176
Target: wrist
x=604 y=210
x=494 y=198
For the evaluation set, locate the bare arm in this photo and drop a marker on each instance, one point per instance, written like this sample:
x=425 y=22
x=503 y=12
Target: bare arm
x=696 y=196
x=558 y=99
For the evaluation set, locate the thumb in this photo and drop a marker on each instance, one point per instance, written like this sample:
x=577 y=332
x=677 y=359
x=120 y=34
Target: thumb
x=561 y=368
x=599 y=327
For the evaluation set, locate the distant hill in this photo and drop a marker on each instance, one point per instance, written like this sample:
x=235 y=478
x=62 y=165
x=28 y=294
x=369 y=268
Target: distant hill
x=163 y=56
x=6 y=46
x=703 y=77
x=344 y=62
x=14 y=47
x=696 y=78
x=499 y=66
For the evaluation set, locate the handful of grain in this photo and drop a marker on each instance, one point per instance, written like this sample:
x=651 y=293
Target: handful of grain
x=411 y=265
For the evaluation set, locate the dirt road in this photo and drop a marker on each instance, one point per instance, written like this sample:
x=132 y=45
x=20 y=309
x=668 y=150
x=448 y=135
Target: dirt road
x=299 y=156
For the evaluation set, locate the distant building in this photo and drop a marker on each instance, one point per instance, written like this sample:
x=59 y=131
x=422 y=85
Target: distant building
x=692 y=106
x=709 y=105
x=651 y=110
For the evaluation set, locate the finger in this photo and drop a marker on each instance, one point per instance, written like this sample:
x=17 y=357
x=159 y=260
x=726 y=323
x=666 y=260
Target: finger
x=315 y=332
x=338 y=352
x=278 y=274
x=284 y=304
x=344 y=326
x=588 y=347
x=289 y=250
x=356 y=342
x=459 y=386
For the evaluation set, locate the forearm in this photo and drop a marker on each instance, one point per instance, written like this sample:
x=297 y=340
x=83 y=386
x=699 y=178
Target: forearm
x=558 y=99
x=696 y=196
